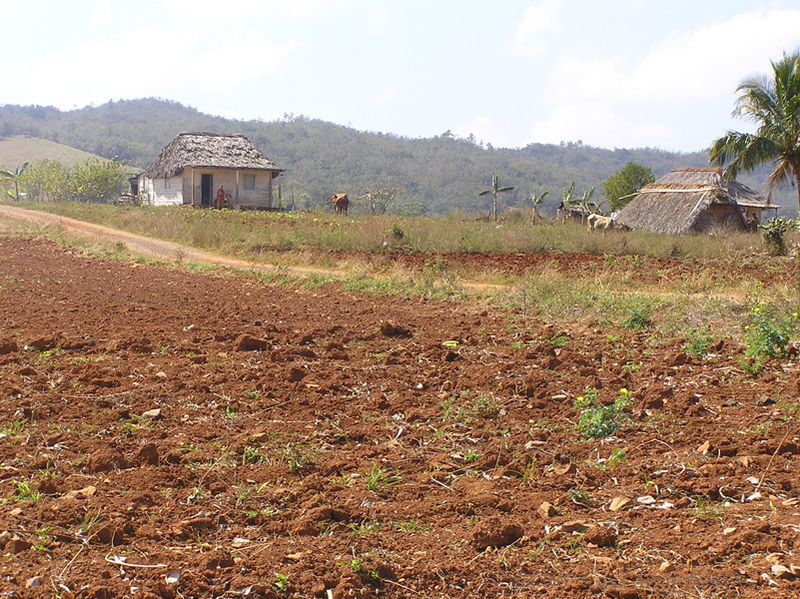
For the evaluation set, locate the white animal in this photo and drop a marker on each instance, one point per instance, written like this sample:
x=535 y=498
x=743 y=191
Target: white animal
x=597 y=221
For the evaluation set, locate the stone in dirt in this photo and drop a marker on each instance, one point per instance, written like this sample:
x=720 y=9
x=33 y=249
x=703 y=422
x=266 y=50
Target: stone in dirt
x=83 y=493
x=16 y=545
x=574 y=526
x=619 y=503
x=493 y=532
x=782 y=572
x=34 y=581
x=7 y=346
x=547 y=510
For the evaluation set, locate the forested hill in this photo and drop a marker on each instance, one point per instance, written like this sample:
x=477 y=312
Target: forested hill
x=441 y=174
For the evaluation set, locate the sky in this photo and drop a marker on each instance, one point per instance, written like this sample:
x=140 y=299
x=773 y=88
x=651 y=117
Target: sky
x=607 y=73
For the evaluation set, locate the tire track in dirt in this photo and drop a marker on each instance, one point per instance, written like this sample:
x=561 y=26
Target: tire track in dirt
x=154 y=248
x=158 y=248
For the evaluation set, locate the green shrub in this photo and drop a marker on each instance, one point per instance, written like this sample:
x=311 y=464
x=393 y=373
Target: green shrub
x=699 y=344
x=772 y=233
x=597 y=420
x=769 y=334
x=638 y=319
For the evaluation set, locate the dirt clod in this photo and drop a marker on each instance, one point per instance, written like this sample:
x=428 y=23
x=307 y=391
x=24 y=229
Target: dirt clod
x=494 y=532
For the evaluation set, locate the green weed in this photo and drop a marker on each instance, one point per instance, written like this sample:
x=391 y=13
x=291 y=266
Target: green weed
x=617 y=457
x=705 y=508
x=379 y=479
x=597 y=420
x=281 y=583
x=367 y=576
x=699 y=344
x=299 y=457
x=770 y=334
x=24 y=491
x=581 y=497
x=638 y=319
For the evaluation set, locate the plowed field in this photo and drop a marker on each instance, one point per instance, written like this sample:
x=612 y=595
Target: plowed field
x=167 y=434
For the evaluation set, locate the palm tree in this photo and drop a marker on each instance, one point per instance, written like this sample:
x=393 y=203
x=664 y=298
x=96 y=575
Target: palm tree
x=773 y=103
x=494 y=191
x=536 y=200
x=14 y=176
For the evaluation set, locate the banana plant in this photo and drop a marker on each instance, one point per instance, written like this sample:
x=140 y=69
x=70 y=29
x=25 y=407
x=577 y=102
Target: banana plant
x=587 y=207
x=14 y=176
x=494 y=191
x=536 y=200
x=566 y=199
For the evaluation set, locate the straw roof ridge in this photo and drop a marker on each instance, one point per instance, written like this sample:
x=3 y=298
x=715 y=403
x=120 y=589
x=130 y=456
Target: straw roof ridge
x=208 y=150
x=675 y=202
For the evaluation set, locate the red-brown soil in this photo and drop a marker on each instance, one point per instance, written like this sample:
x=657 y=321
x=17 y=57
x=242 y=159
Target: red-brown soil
x=166 y=434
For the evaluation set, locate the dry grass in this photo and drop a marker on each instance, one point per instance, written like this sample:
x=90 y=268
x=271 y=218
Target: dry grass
x=257 y=233
x=695 y=299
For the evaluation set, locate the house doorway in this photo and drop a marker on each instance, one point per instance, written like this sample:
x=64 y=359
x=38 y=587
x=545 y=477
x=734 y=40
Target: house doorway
x=206 y=185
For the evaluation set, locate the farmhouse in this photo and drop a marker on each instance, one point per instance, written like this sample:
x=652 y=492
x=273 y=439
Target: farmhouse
x=192 y=167
x=694 y=200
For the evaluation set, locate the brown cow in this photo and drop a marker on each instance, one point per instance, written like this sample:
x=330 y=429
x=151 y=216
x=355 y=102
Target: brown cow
x=340 y=202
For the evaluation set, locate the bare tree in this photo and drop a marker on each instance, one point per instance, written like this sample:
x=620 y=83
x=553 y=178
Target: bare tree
x=381 y=195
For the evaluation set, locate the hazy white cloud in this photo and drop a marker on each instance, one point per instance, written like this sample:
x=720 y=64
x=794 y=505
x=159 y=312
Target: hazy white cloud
x=484 y=129
x=385 y=96
x=264 y=13
x=604 y=102
x=540 y=19
x=101 y=12
x=162 y=64
x=595 y=124
x=379 y=23
x=685 y=66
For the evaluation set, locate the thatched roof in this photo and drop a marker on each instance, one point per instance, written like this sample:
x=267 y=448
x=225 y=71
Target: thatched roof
x=677 y=202
x=207 y=150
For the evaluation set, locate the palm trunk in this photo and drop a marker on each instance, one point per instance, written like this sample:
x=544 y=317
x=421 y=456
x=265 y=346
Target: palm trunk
x=796 y=170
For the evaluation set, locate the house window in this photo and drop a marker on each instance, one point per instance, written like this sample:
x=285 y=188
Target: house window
x=166 y=182
x=249 y=182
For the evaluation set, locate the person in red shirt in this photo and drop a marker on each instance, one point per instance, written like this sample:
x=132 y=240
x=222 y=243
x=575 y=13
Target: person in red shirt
x=220 y=197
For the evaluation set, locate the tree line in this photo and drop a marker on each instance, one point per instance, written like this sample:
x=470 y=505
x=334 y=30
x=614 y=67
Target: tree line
x=92 y=180
x=436 y=175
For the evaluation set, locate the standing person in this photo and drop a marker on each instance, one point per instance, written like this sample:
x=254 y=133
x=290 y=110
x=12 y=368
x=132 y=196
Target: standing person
x=220 y=197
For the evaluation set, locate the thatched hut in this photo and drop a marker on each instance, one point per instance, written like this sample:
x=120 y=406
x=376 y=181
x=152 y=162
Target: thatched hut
x=694 y=200
x=192 y=167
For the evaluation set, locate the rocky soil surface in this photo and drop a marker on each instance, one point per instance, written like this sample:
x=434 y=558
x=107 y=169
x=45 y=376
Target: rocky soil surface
x=167 y=434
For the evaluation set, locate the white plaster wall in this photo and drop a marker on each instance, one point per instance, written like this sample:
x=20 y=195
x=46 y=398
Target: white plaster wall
x=161 y=194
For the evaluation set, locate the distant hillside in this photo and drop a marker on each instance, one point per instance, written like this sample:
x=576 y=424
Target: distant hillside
x=17 y=149
x=20 y=148
x=442 y=173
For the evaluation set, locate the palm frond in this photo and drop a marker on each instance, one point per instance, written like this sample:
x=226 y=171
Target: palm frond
x=742 y=152
x=782 y=175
